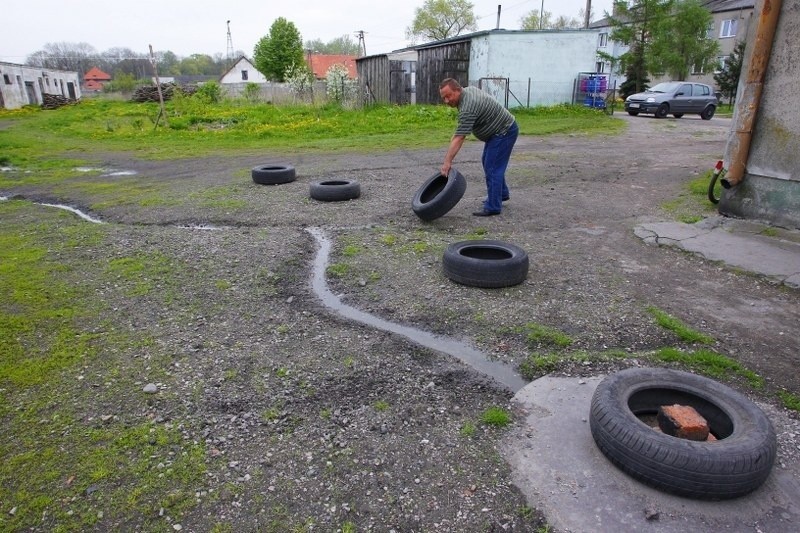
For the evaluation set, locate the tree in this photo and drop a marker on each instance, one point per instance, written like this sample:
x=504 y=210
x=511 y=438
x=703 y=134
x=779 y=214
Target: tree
x=679 y=42
x=343 y=45
x=532 y=21
x=279 y=50
x=633 y=25
x=78 y=57
x=441 y=19
x=728 y=78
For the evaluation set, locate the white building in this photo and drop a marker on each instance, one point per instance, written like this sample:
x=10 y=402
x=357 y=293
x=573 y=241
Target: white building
x=243 y=71
x=22 y=85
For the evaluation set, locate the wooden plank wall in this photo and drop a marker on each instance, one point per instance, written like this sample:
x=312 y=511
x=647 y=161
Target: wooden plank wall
x=437 y=63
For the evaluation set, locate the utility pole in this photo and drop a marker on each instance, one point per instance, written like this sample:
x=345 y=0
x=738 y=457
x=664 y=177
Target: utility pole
x=230 y=46
x=362 y=46
x=588 y=14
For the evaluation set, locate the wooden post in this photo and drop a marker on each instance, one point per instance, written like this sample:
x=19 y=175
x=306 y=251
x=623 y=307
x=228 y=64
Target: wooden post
x=158 y=87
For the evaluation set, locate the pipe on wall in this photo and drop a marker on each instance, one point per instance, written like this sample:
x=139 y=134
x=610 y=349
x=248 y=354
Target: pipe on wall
x=748 y=102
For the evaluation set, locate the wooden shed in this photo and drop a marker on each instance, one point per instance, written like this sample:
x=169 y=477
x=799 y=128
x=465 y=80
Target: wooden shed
x=389 y=78
x=443 y=59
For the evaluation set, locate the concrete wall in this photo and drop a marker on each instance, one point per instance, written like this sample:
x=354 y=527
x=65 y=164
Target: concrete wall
x=770 y=190
x=542 y=66
x=21 y=85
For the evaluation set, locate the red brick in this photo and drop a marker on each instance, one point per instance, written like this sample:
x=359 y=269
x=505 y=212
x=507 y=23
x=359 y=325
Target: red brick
x=682 y=421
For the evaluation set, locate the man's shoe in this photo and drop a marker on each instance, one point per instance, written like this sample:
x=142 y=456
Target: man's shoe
x=507 y=198
x=484 y=213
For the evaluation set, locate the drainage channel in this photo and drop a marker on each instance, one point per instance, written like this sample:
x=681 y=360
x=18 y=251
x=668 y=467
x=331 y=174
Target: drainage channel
x=465 y=353
x=500 y=372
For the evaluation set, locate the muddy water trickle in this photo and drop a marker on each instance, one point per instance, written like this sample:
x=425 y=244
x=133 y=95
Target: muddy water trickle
x=460 y=350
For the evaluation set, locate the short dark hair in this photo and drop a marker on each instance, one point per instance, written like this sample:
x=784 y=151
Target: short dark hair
x=450 y=82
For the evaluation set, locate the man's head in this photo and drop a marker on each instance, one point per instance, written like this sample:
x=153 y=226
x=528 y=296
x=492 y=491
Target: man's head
x=450 y=91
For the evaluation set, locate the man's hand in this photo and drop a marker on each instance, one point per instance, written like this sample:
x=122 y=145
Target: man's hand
x=452 y=150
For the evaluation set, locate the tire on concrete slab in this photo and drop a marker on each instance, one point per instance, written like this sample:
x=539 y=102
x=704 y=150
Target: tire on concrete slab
x=737 y=463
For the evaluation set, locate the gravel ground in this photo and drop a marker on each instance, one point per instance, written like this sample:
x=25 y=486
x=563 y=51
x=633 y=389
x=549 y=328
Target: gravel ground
x=307 y=417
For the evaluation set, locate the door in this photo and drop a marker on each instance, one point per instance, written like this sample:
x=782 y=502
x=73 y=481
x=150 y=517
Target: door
x=71 y=90
x=683 y=99
x=30 y=90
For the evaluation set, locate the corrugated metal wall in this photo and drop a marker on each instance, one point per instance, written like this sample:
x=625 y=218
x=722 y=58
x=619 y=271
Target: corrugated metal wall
x=437 y=63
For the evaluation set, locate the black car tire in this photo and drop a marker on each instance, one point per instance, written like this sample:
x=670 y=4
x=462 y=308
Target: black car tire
x=485 y=263
x=335 y=190
x=662 y=111
x=677 y=115
x=736 y=464
x=633 y=113
x=708 y=112
x=438 y=195
x=273 y=174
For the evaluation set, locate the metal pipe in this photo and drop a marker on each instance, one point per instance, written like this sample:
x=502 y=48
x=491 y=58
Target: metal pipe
x=747 y=104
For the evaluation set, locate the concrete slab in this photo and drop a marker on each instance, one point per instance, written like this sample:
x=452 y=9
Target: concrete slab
x=558 y=467
x=757 y=248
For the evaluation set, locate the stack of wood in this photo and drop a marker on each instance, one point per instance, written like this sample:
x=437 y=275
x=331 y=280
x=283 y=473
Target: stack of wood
x=53 y=101
x=149 y=93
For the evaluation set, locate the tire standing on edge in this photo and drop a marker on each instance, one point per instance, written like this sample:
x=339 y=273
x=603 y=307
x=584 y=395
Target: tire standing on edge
x=736 y=464
x=438 y=195
x=273 y=174
x=485 y=263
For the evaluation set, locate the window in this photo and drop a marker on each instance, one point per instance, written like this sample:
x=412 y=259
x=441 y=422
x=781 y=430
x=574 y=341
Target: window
x=7 y=79
x=686 y=89
x=728 y=28
x=244 y=75
x=701 y=90
x=710 y=30
x=697 y=68
x=721 y=62
x=599 y=67
x=602 y=40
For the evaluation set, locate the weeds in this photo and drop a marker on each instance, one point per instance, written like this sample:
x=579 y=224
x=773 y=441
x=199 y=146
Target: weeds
x=496 y=416
x=684 y=332
x=710 y=363
x=790 y=401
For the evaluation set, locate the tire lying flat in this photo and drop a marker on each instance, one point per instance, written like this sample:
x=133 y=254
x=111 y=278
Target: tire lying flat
x=736 y=464
x=438 y=195
x=335 y=190
x=485 y=263
x=273 y=174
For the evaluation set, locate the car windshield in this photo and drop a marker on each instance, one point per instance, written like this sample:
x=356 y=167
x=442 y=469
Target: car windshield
x=665 y=87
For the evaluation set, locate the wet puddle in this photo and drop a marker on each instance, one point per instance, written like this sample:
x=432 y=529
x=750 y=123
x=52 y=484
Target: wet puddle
x=500 y=372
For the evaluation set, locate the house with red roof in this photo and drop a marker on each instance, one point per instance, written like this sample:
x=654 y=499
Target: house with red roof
x=95 y=79
x=320 y=63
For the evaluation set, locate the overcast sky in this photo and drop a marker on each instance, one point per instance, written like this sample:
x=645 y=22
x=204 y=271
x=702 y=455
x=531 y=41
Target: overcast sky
x=199 y=26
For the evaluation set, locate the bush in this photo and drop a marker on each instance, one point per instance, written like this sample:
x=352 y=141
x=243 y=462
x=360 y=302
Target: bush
x=210 y=92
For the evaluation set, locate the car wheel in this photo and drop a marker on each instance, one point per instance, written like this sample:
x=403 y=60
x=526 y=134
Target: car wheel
x=677 y=115
x=737 y=463
x=633 y=113
x=273 y=174
x=662 y=110
x=485 y=263
x=708 y=112
x=438 y=195
x=335 y=190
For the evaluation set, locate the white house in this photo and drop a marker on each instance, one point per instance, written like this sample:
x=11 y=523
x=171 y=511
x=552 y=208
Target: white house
x=242 y=72
x=22 y=85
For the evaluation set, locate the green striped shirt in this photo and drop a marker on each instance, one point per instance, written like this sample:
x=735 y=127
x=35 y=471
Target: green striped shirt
x=481 y=115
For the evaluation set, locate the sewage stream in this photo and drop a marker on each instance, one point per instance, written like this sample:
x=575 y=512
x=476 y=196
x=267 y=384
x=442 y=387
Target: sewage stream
x=500 y=372
x=465 y=353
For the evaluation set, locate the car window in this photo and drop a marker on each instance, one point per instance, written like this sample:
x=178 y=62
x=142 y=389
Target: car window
x=686 y=89
x=703 y=90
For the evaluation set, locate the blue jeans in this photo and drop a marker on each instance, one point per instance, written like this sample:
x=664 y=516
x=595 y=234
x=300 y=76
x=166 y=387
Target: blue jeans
x=496 y=153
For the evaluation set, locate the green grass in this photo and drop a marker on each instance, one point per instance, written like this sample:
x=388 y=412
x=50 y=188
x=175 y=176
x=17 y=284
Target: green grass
x=790 y=401
x=496 y=416
x=684 y=332
x=692 y=205
x=538 y=334
x=536 y=364
x=709 y=363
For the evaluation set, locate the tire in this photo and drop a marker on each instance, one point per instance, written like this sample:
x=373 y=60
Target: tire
x=677 y=115
x=708 y=112
x=633 y=113
x=273 y=174
x=662 y=111
x=438 y=195
x=485 y=263
x=738 y=463
x=335 y=190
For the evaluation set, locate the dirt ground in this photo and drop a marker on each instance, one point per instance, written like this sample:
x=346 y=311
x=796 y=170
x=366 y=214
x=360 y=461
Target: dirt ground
x=307 y=417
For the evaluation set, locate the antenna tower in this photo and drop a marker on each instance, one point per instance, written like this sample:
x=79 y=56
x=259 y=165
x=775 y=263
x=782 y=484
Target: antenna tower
x=362 y=46
x=229 y=52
